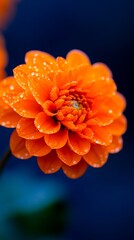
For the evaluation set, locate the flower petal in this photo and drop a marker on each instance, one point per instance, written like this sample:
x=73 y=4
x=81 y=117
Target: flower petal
x=46 y=124
x=78 y=144
x=40 y=88
x=104 y=86
x=57 y=140
x=9 y=118
x=118 y=127
x=18 y=148
x=87 y=133
x=116 y=145
x=49 y=163
x=49 y=108
x=26 y=129
x=63 y=64
x=101 y=119
x=38 y=57
x=20 y=73
x=37 y=147
x=9 y=85
x=97 y=156
x=25 y=105
x=76 y=58
x=102 y=70
x=112 y=106
x=75 y=171
x=67 y=156
x=101 y=135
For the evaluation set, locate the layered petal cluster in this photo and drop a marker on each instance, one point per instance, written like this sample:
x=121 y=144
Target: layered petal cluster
x=7 y=8
x=66 y=112
x=3 y=57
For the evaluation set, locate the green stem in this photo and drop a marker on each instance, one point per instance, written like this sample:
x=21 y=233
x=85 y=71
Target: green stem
x=4 y=160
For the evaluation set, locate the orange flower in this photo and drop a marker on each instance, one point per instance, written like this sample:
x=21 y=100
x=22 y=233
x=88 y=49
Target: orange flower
x=6 y=10
x=3 y=57
x=66 y=112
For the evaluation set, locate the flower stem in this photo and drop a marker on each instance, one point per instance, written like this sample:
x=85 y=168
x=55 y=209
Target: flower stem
x=4 y=160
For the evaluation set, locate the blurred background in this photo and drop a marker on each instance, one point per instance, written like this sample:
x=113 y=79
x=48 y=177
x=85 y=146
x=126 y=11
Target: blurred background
x=99 y=205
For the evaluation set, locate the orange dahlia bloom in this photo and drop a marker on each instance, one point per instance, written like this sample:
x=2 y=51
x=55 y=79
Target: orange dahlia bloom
x=3 y=57
x=6 y=10
x=66 y=112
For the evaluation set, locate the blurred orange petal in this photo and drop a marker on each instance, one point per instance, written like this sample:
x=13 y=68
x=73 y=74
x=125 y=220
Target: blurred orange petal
x=97 y=156
x=49 y=163
x=39 y=58
x=9 y=85
x=9 y=118
x=37 y=147
x=118 y=127
x=75 y=171
x=62 y=64
x=46 y=124
x=102 y=69
x=18 y=148
x=105 y=86
x=101 y=135
x=67 y=156
x=116 y=145
x=26 y=129
x=25 y=105
x=20 y=74
x=40 y=88
x=78 y=144
x=76 y=58
x=57 y=140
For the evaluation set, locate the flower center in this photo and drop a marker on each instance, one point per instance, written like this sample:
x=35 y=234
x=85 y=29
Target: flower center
x=76 y=104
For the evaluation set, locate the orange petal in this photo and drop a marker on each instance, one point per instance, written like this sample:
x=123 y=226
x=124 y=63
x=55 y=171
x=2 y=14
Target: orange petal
x=119 y=126
x=49 y=108
x=112 y=106
x=75 y=171
x=40 y=88
x=63 y=64
x=21 y=75
x=9 y=118
x=2 y=74
x=26 y=129
x=18 y=148
x=49 y=163
x=101 y=135
x=9 y=85
x=46 y=124
x=101 y=119
x=76 y=58
x=78 y=144
x=61 y=78
x=57 y=140
x=87 y=133
x=105 y=86
x=97 y=156
x=39 y=58
x=116 y=145
x=37 y=147
x=25 y=105
x=67 y=156
x=102 y=70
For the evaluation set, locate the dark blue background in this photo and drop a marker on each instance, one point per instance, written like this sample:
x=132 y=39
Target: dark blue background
x=102 y=201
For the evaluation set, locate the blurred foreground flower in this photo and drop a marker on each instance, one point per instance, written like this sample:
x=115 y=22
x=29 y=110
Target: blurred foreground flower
x=66 y=112
x=3 y=57
x=6 y=10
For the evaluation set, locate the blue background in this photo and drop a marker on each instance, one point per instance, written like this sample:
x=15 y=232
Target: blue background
x=101 y=203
